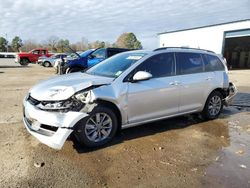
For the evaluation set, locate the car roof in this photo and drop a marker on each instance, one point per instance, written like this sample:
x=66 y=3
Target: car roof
x=183 y=49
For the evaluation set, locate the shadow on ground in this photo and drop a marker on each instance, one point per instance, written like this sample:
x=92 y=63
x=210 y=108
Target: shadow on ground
x=155 y=128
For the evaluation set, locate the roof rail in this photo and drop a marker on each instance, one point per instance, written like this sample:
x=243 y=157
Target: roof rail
x=164 y=48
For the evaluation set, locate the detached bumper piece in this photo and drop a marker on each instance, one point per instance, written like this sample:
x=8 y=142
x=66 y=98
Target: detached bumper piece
x=232 y=91
x=50 y=128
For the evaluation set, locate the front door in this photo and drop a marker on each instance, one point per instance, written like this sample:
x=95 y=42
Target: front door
x=158 y=96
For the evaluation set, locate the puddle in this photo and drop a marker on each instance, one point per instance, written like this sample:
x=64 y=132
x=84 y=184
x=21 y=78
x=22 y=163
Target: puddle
x=232 y=165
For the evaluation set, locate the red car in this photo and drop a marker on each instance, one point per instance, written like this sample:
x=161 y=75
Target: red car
x=32 y=56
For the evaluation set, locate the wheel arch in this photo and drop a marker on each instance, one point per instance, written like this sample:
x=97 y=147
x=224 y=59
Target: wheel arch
x=73 y=67
x=114 y=108
x=221 y=90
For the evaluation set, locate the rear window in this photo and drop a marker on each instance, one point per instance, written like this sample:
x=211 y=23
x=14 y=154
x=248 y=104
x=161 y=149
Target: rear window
x=112 y=52
x=189 y=63
x=212 y=63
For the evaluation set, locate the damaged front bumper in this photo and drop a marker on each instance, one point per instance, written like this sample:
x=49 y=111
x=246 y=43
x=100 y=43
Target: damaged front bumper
x=50 y=128
x=232 y=91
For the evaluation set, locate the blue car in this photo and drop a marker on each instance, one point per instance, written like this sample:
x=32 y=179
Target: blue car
x=88 y=59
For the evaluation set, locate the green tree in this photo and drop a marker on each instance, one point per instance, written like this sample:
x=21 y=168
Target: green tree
x=62 y=45
x=16 y=43
x=97 y=44
x=3 y=44
x=128 y=40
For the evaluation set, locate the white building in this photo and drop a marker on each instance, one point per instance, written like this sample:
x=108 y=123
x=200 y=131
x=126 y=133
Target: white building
x=231 y=39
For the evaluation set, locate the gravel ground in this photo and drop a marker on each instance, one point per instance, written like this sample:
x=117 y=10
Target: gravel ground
x=178 y=152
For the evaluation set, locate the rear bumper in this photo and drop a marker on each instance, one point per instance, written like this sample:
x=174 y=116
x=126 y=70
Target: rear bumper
x=232 y=91
x=50 y=128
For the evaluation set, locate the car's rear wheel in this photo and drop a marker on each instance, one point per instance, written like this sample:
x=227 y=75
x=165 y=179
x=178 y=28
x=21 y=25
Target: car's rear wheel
x=98 y=128
x=213 y=106
x=47 y=64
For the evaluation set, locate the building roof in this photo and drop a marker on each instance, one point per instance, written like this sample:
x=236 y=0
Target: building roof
x=173 y=31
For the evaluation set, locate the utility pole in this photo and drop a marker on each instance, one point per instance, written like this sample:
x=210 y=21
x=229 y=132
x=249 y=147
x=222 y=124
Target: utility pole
x=6 y=42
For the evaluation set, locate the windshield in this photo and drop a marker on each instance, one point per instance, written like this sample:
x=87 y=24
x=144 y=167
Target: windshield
x=72 y=55
x=85 y=53
x=116 y=65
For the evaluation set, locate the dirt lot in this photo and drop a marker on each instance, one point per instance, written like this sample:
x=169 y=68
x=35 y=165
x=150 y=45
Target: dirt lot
x=179 y=152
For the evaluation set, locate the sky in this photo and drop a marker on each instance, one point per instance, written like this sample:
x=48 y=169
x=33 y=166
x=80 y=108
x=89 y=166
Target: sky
x=106 y=20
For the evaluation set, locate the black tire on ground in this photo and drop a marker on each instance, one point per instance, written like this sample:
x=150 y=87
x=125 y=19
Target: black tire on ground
x=46 y=64
x=73 y=69
x=213 y=106
x=87 y=129
x=24 y=62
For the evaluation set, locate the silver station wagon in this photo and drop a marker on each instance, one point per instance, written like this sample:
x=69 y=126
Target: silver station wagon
x=128 y=89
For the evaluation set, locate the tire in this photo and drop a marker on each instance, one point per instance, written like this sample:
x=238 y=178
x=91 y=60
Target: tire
x=213 y=106
x=71 y=70
x=24 y=62
x=91 y=134
x=46 y=64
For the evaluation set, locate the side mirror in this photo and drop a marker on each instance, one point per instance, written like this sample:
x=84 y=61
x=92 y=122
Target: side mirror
x=142 y=75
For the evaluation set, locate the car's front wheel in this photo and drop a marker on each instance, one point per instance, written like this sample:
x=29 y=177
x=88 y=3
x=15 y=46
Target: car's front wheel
x=47 y=64
x=98 y=128
x=213 y=106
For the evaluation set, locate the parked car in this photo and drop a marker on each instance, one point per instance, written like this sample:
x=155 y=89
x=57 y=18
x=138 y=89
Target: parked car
x=126 y=90
x=88 y=59
x=70 y=56
x=49 y=61
x=24 y=58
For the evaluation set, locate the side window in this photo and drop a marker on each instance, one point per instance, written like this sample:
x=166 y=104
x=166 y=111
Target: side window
x=212 y=63
x=160 y=65
x=99 y=53
x=43 y=52
x=189 y=63
x=36 y=52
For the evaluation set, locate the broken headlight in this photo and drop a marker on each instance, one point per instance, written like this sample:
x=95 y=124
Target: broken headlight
x=83 y=96
x=55 y=105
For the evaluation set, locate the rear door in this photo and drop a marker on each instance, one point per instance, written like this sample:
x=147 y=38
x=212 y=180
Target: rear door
x=158 y=96
x=195 y=82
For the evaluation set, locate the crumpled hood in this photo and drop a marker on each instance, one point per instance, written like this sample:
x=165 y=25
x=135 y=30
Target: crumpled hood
x=64 y=86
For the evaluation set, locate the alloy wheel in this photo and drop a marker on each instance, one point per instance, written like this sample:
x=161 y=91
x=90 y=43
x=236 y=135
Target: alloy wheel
x=214 y=105
x=98 y=127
